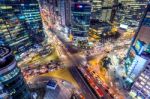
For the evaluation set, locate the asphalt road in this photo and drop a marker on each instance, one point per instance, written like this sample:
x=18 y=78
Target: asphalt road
x=76 y=61
x=88 y=93
x=106 y=95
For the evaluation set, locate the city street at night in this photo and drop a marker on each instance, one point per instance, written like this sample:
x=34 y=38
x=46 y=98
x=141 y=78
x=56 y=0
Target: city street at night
x=74 y=49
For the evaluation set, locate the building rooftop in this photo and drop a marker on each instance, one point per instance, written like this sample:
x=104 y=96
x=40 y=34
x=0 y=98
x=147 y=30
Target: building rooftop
x=4 y=51
x=6 y=56
x=97 y=24
x=52 y=83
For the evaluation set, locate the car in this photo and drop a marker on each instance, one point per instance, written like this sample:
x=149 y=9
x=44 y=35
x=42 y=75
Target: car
x=99 y=91
x=81 y=96
x=43 y=71
x=99 y=81
x=36 y=71
x=105 y=86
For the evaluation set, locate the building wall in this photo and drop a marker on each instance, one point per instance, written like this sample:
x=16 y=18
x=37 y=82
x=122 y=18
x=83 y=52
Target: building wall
x=33 y=20
x=21 y=24
x=132 y=11
x=139 y=51
x=81 y=13
x=96 y=9
x=141 y=86
x=106 y=10
x=13 y=31
x=64 y=11
x=68 y=12
x=11 y=77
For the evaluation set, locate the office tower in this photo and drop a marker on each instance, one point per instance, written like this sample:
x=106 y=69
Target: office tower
x=141 y=87
x=106 y=10
x=31 y=12
x=20 y=24
x=68 y=12
x=11 y=77
x=139 y=53
x=64 y=7
x=13 y=31
x=81 y=13
x=101 y=9
x=96 y=9
x=131 y=13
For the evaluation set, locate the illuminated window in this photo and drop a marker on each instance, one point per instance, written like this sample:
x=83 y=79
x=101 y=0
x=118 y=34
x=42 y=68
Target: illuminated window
x=9 y=75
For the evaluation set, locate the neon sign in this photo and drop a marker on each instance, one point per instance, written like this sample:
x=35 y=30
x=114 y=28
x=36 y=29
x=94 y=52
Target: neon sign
x=79 y=6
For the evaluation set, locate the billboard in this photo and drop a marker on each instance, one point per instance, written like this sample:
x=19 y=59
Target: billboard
x=123 y=26
x=137 y=66
x=81 y=7
x=139 y=46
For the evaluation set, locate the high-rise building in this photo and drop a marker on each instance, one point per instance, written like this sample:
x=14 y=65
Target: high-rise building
x=101 y=9
x=139 y=53
x=131 y=13
x=96 y=9
x=81 y=13
x=11 y=77
x=141 y=87
x=106 y=10
x=30 y=10
x=64 y=9
x=20 y=24
x=13 y=29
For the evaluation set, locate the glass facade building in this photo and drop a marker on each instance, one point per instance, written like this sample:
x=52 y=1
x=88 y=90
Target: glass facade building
x=64 y=10
x=132 y=12
x=96 y=9
x=141 y=87
x=11 y=77
x=106 y=10
x=138 y=56
x=81 y=13
x=30 y=10
x=20 y=24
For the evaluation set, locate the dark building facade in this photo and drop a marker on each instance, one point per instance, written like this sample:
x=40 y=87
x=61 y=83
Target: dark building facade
x=20 y=24
x=80 y=19
x=11 y=77
x=30 y=10
x=96 y=9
